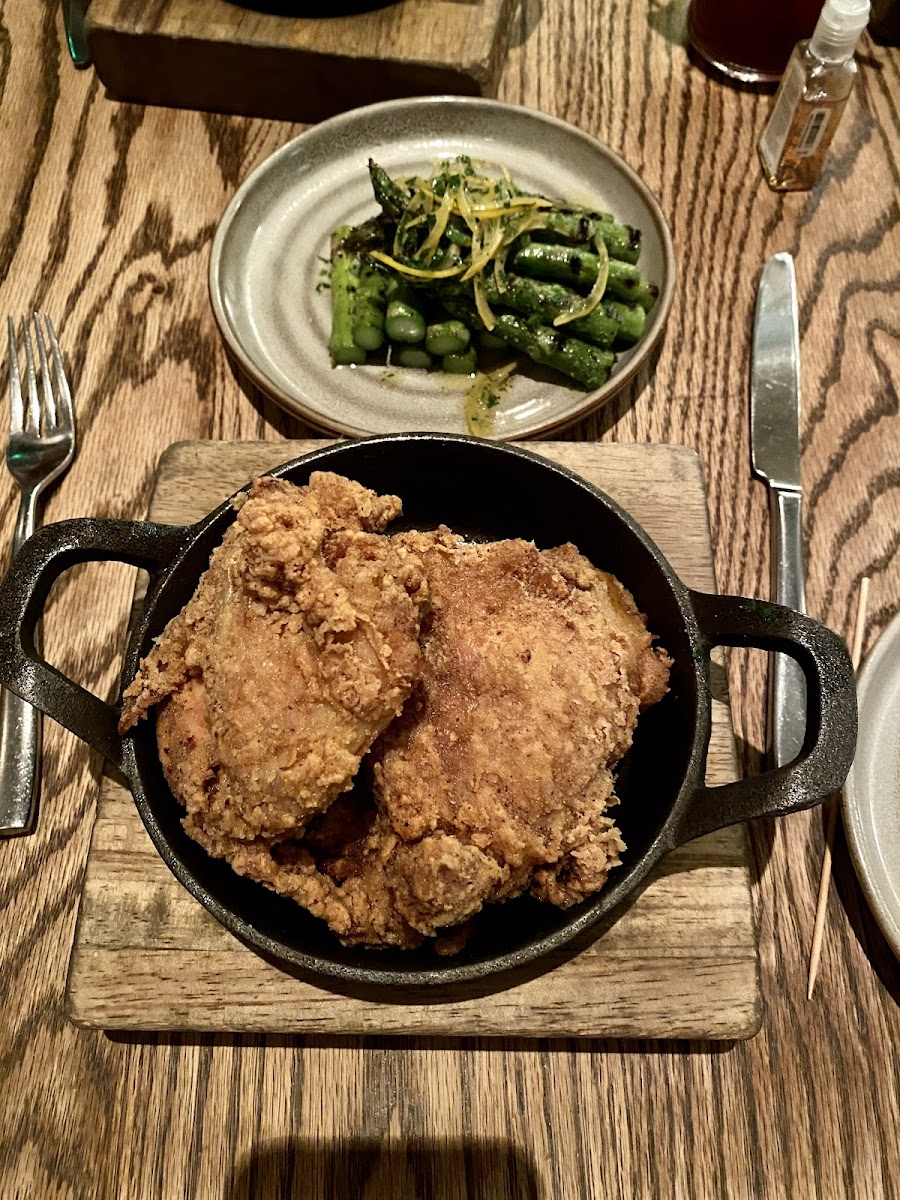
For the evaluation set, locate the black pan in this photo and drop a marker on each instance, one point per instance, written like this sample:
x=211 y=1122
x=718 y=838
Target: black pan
x=485 y=490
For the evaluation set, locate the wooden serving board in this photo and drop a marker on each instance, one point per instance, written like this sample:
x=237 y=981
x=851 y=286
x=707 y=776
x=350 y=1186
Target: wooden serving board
x=681 y=960
x=217 y=55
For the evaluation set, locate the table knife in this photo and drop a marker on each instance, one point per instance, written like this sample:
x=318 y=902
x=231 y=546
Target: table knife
x=775 y=447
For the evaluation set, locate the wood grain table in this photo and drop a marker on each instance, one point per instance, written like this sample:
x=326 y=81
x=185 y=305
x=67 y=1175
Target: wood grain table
x=106 y=216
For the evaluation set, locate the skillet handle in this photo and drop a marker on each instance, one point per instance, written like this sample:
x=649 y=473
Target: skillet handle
x=23 y=595
x=831 y=715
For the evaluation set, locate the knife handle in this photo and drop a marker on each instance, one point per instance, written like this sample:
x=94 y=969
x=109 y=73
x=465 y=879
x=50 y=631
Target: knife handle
x=787 y=686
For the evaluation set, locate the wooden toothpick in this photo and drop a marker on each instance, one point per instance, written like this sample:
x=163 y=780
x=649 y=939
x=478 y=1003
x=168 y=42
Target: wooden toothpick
x=825 y=882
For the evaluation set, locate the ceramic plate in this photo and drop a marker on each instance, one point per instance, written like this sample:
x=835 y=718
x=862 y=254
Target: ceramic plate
x=273 y=244
x=872 y=792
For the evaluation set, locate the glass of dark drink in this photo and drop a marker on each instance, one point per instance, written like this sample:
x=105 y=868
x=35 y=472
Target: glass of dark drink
x=751 y=40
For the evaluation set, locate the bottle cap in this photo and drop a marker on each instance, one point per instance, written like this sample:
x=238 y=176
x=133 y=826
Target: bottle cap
x=838 y=29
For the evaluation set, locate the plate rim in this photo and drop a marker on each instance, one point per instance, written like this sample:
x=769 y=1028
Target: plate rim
x=591 y=401
x=889 y=923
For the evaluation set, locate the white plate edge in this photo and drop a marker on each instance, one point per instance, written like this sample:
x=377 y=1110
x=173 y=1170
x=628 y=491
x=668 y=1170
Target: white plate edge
x=850 y=800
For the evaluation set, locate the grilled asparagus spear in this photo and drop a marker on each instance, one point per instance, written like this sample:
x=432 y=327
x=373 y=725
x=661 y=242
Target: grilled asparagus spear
x=345 y=269
x=392 y=198
x=610 y=322
x=566 y=264
x=586 y=364
x=574 y=228
x=368 y=308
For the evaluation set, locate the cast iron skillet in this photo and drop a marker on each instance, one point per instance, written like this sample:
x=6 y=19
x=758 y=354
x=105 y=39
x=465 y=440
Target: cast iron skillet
x=486 y=490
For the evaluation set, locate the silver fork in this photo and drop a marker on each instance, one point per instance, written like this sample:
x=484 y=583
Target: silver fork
x=41 y=447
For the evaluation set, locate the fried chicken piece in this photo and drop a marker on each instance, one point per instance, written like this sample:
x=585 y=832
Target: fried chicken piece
x=352 y=870
x=297 y=649
x=336 y=870
x=498 y=774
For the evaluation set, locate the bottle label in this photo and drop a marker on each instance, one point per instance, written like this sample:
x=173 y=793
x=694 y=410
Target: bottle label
x=813 y=132
x=771 y=144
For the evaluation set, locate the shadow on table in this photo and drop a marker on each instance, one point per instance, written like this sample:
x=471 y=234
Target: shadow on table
x=762 y=831
x=374 y=1044
x=525 y=20
x=292 y=428
x=597 y=424
x=872 y=941
x=668 y=18
x=382 y=1169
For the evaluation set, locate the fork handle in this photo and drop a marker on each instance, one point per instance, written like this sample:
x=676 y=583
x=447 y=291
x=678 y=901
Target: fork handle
x=21 y=734
x=26 y=521
x=21 y=725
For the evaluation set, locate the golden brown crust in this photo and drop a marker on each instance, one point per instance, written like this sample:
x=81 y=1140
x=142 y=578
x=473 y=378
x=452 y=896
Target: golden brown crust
x=298 y=647
x=347 y=892
x=534 y=673
x=301 y=645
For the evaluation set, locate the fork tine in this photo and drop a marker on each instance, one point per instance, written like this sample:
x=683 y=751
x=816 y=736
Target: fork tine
x=34 y=404
x=49 y=405
x=16 y=414
x=65 y=417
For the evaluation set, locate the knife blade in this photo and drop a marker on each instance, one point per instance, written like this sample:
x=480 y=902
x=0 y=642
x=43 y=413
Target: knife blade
x=775 y=450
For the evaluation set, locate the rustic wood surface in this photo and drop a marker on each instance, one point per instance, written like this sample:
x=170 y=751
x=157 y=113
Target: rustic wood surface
x=213 y=54
x=681 y=961
x=106 y=216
